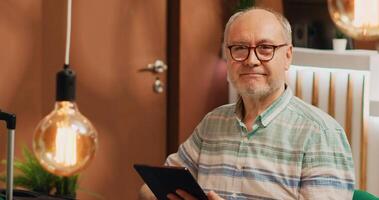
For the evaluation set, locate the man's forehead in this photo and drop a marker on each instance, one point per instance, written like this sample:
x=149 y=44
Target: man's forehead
x=256 y=23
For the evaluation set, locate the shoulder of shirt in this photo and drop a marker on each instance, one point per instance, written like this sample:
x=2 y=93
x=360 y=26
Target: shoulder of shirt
x=313 y=114
x=227 y=110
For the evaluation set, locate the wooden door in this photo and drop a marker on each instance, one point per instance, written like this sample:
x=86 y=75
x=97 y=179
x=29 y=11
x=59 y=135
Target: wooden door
x=111 y=41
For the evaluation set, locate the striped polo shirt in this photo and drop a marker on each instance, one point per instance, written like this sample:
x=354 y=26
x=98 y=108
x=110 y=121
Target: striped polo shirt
x=294 y=151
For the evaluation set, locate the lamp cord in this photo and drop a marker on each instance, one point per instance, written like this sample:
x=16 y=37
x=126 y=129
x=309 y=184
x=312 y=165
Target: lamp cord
x=68 y=33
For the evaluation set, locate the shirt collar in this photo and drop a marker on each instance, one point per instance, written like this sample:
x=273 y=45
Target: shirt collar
x=271 y=112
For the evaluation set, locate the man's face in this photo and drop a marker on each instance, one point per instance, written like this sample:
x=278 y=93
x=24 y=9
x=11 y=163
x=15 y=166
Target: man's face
x=252 y=77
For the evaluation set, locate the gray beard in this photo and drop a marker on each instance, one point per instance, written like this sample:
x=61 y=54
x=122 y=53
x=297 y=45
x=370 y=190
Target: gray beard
x=260 y=92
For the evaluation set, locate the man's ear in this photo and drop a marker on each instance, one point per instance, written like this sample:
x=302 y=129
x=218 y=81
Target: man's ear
x=288 y=57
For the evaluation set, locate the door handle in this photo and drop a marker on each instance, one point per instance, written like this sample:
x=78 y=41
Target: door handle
x=158 y=86
x=157 y=67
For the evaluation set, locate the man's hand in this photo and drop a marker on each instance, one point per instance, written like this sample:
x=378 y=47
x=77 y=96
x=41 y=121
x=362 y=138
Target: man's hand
x=181 y=194
x=146 y=194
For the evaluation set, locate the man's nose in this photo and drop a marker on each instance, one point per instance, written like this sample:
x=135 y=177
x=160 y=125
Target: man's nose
x=252 y=60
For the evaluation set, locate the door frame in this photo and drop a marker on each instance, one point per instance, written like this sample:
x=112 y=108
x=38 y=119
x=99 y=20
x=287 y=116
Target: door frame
x=173 y=81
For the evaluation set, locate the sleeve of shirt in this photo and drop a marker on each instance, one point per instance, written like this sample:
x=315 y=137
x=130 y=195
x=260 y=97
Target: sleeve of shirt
x=327 y=168
x=188 y=152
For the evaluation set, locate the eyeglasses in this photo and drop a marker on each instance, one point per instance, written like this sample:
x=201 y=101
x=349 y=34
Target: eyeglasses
x=264 y=52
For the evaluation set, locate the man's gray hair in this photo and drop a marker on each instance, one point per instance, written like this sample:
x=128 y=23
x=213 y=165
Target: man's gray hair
x=282 y=20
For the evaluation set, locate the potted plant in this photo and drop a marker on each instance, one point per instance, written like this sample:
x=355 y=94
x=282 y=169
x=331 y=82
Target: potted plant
x=30 y=175
x=339 y=41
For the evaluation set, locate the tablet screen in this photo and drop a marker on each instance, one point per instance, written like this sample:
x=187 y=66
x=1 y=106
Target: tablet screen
x=165 y=180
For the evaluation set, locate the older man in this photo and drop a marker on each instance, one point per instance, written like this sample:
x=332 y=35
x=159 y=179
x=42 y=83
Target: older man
x=270 y=144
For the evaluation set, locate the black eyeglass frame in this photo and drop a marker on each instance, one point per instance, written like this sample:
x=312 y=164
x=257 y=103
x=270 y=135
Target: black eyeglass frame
x=255 y=51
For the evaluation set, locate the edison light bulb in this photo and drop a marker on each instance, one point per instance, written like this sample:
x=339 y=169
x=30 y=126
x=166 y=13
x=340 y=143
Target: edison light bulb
x=356 y=18
x=65 y=141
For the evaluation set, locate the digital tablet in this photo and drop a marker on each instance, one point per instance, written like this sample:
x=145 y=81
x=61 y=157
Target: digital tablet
x=164 y=180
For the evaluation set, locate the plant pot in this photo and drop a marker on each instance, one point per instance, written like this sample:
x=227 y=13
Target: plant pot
x=26 y=195
x=339 y=45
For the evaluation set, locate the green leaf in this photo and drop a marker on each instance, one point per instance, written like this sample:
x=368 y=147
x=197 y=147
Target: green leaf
x=339 y=34
x=67 y=186
x=244 y=4
x=30 y=175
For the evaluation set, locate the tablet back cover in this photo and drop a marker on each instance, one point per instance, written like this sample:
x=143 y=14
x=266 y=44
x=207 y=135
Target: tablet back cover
x=165 y=180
